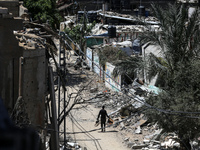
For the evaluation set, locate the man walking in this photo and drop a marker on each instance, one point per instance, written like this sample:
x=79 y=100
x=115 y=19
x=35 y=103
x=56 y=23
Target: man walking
x=103 y=115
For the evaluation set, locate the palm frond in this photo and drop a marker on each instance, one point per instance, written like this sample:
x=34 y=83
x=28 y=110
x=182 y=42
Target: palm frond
x=128 y=66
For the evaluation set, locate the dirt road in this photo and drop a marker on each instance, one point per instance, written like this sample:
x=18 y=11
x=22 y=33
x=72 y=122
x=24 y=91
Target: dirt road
x=82 y=121
x=94 y=139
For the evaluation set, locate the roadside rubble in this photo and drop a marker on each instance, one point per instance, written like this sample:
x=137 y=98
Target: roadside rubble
x=127 y=113
x=137 y=131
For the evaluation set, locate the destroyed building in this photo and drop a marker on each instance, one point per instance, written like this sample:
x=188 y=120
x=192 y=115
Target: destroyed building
x=11 y=5
x=10 y=54
x=24 y=74
x=28 y=81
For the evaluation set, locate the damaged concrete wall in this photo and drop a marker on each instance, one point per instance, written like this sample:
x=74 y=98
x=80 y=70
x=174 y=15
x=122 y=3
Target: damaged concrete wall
x=34 y=78
x=98 y=69
x=12 y=5
x=89 y=57
x=109 y=83
x=9 y=61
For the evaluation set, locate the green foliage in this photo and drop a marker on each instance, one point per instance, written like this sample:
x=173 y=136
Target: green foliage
x=44 y=10
x=178 y=70
x=79 y=31
x=110 y=54
x=183 y=96
x=178 y=37
x=128 y=66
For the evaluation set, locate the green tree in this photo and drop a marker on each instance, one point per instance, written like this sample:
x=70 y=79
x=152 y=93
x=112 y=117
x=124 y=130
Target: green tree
x=179 y=70
x=110 y=54
x=43 y=11
x=78 y=32
x=128 y=68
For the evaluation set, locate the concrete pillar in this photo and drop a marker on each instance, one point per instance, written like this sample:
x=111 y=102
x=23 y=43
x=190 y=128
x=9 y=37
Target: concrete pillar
x=34 y=83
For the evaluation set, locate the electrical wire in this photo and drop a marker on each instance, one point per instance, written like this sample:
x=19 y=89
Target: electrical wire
x=149 y=106
x=134 y=96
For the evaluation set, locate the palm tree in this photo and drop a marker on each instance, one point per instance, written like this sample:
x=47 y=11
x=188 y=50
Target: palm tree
x=128 y=68
x=178 y=37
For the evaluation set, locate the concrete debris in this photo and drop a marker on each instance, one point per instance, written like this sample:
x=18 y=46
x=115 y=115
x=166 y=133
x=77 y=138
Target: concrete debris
x=29 y=39
x=130 y=144
x=122 y=126
x=71 y=146
x=3 y=10
x=92 y=90
x=4 y=13
x=138 y=130
x=170 y=144
x=74 y=145
x=129 y=119
x=139 y=146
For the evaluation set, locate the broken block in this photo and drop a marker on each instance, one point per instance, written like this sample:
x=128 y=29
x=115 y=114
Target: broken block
x=7 y=15
x=3 y=10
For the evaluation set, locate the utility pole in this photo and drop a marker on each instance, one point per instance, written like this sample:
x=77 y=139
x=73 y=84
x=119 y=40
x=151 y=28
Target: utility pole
x=103 y=12
x=82 y=32
x=62 y=73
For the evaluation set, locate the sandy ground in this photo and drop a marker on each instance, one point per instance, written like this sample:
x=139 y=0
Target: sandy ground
x=82 y=121
x=95 y=140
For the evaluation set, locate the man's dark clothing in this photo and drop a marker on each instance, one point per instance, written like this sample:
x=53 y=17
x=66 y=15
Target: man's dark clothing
x=103 y=115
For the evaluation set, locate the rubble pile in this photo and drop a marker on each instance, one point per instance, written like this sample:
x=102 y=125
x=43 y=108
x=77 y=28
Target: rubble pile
x=137 y=131
x=33 y=36
x=29 y=39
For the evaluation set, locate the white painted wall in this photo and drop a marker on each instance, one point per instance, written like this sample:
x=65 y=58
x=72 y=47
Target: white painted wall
x=156 y=50
x=89 y=57
x=115 y=84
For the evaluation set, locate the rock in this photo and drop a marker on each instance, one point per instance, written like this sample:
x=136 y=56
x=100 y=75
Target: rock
x=31 y=43
x=154 y=136
x=126 y=139
x=155 y=142
x=92 y=90
x=111 y=101
x=122 y=126
x=138 y=130
x=140 y=122
x=146 y=141
x=129 y=120
x=130 y=144
x=170 y=144
x=118 y=104
x=139 y=146
x=136 y=140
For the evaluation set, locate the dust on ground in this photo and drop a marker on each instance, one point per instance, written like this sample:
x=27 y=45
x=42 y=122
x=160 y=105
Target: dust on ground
x=80 y=123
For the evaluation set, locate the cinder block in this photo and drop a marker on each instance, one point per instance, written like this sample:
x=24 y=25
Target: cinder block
x=3 y=10
x=7 y=15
